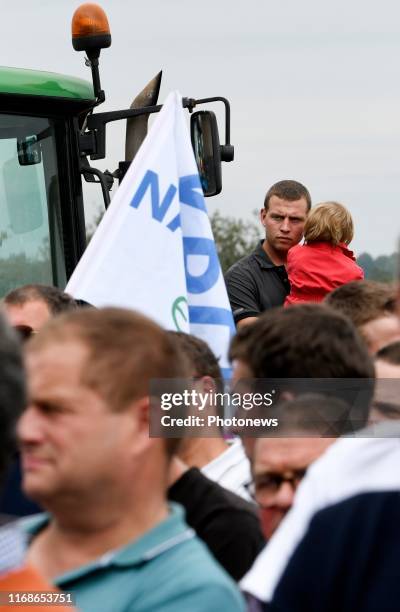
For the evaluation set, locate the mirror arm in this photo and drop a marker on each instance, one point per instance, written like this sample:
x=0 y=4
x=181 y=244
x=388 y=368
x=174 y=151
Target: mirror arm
x=227 y=150
x=93 y=141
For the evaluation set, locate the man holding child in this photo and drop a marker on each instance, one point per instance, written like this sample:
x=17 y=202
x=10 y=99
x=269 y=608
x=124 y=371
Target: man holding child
x=259 y=281
x=280 y=271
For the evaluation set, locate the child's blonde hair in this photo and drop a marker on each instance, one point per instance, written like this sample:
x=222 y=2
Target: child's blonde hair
x=329 y=222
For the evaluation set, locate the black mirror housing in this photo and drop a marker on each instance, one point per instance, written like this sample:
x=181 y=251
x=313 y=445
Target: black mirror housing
x=207 y=151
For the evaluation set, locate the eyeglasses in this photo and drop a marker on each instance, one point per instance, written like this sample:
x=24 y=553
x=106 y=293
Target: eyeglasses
x=24 y=332
x=269 y=484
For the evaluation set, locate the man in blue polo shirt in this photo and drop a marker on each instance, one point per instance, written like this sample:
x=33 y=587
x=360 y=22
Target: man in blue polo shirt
x=110 y=537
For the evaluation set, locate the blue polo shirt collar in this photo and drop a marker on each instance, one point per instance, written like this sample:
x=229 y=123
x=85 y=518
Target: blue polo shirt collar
x=166 y=535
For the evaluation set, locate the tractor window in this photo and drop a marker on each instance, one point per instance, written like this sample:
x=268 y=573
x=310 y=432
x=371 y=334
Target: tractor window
x=30 y=225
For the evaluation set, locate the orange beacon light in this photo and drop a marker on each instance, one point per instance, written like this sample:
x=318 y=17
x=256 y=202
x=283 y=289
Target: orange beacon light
x=90 y=29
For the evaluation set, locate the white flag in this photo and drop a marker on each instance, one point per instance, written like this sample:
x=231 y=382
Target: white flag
x=154 y=250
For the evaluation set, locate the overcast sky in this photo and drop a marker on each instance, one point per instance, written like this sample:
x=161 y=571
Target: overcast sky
x=314 y=89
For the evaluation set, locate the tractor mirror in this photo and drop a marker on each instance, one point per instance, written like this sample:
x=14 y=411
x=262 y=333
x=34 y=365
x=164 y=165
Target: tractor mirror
x=207 y=151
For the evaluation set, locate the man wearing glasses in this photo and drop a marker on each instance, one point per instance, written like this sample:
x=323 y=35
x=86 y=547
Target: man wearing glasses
x=304 y=344
x=279 y=466
x=280 y=462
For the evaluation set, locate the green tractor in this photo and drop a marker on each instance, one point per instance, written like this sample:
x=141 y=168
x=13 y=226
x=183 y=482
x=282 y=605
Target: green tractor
x=49 y=132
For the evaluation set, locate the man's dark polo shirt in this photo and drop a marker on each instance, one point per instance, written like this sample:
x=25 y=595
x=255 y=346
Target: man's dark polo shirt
x=255 y=284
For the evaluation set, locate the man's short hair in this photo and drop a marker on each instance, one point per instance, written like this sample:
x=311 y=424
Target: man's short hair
x=307 y=341
x=304 y=341
x=390 y=353
x=288 y=190
x=126 y=351
x=12 y=391
x=329 y=222
x=57 y=300
x=363 y=301
x=202 y=360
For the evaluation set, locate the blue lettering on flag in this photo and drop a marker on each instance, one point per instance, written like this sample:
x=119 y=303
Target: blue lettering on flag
x=188 y=194
x=158 y=211
x=175 y=223
x=206 y=247
x=211 y=315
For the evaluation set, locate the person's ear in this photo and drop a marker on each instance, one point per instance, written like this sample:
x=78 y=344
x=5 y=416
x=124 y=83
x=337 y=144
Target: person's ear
x=139 y=418
x=206 y=384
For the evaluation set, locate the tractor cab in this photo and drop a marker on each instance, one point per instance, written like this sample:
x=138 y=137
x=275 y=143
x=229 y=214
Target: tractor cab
x=49 y=134
x=42 y=230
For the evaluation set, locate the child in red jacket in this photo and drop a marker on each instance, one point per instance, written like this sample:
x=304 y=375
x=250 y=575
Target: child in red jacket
x=324 y=262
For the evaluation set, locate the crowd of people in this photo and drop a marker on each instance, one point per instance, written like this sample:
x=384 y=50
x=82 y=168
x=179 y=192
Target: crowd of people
x=99 y=515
